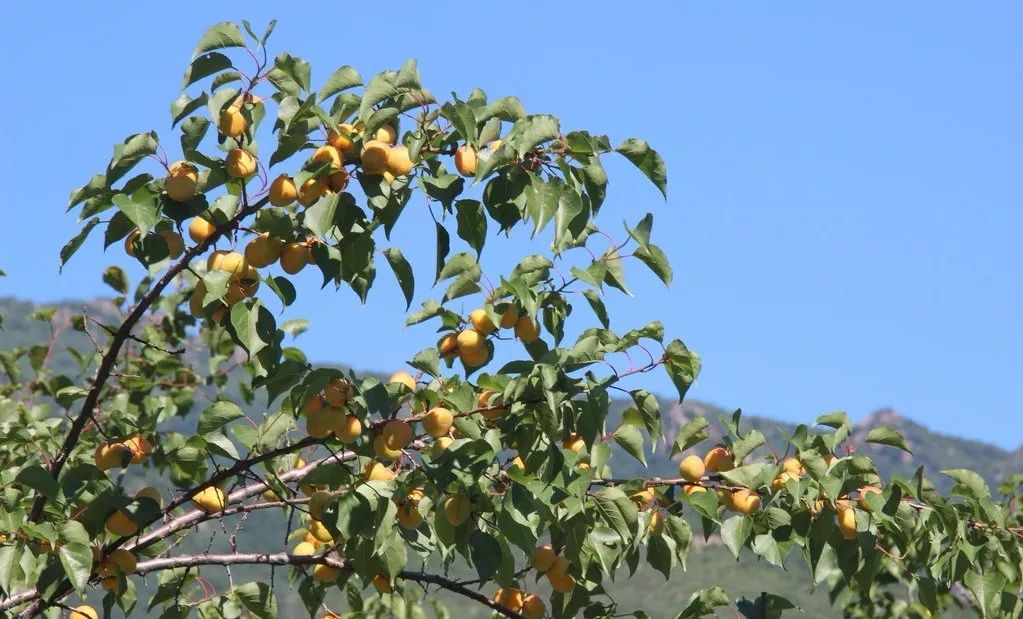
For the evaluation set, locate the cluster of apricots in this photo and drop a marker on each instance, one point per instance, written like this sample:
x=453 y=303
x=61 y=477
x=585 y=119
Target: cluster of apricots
x=470 y=344
x=118 y=454
x=555 y=567
x=692 y=468
x=528 y=605
x=325 y=414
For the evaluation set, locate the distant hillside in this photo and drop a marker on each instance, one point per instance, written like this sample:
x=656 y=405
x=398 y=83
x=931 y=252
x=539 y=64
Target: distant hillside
x=708 y=565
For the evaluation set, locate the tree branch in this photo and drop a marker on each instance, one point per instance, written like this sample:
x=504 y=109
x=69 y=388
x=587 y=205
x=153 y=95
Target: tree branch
x=332 y=560
x=123 y=333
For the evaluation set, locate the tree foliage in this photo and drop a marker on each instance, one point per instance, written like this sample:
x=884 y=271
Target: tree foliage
x=388 y=483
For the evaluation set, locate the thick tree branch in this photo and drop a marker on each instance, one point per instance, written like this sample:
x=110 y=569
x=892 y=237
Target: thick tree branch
x=282 y=558
x=123 y=333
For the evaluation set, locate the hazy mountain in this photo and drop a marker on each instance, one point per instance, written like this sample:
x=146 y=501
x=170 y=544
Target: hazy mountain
x=708 y=565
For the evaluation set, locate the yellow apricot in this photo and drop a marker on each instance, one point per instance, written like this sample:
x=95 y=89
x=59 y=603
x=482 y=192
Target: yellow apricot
x=263 y=250
x=139 y=447
x=319 y=531
x=399 y=163
x=440 y=445
x=465 y=160
x=304 y=549
x=474 y=359
x=175 y=244
x=745 y=501
x=864 y=491
x=457 y=509
x=337 y=181
x=240 y=163
x=562 y=584
x=691 y=468
x=340 y=140
x=533 y=607
x=120 y=524
x=382 y=584
x=121 y=561
x=481 y=322
x=438 y=421
x=447 y=346
x=110 y=455
x=348 y=429
x=793 y=466
x=847 y=522
x=84 y=611
x=376 y=471
x=374 y=157
x=325 y=573
x=656 y=523
x=282 y=191
x=294 y=257
x=386 y=133
x=338 y=392
x=210 y=500
x=543 y=558
x=527 y=329
x=199 y=230
x=232 y=122
x=574 y=442
x=311 y=191
x=403 y=378
x=718 y=459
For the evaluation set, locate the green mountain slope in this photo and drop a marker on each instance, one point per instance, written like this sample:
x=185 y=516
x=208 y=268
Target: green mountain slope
x=708 y=564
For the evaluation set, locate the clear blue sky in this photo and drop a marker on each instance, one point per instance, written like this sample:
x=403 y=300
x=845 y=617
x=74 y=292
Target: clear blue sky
x=845 y=192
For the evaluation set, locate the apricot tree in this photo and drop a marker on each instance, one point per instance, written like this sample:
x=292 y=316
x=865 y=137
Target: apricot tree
x=383 y=484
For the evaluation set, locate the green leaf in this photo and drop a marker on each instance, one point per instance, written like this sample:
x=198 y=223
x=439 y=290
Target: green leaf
x=472 y=223
x=320 y=217
x=617 y=510
x=656 y=260
x=72 y=246
x=968 y=483
x=531 y=131
x=224 y=34
x=185 y=105
x=744 y=446
x=682 y=365
x=37 y=478
x=765 y=606
x=76 y=558
x=486 y=554
x=143 y=214
x=126 y=155
x=344 y=78
x=735 y=531
x=258 y=598
x=290 y=74
x=648 y=161
x=703 y=603
x=505 y=108
x=403 y=272
x=597 y=305
x=218 y=414
x=255 y=327
x=986 y=586
x=693 y=432
x=835 y=420
x=631 y=440
x=115 y=277
x=204 y=66
x=889 y=437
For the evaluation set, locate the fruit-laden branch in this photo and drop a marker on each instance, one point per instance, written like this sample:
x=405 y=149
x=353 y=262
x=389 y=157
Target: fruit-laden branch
x=177 y=524
x=194 y=517
x=282 y=558
x=123 y=333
